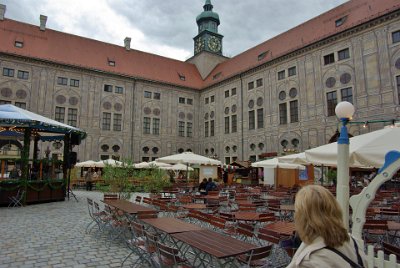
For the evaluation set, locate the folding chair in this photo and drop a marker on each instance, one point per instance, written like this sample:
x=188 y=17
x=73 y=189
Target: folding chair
x=16 y=200
x=169 y=257
x=256 y=257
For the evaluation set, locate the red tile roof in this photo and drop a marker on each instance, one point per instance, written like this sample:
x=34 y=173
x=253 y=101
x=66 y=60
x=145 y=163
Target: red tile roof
x=77 y=51
x=355 y=12
x=82 y=52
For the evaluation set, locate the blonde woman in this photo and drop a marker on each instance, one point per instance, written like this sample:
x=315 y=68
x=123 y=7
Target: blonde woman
x=326 y=243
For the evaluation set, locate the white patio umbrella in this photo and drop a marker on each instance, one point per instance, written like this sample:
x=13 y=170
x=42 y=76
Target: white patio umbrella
x=141 y=165
x=274 y=163
x=188 y=158
x=180 y=166
x=299 y=158
x=367 y=150
x=88 y=163
x=158 y=164
x=110 y=162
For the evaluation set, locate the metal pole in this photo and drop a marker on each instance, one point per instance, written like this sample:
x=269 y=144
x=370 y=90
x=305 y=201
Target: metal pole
x=342 y=187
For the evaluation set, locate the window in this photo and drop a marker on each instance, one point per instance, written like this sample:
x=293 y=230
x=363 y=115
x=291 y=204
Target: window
x=182 y=77
x=340 y=21
x=181 y=100
x=189 y=129
x=8 y=72
x=250 y=85
x=261 y=56
x=21 y=105
x=281 y=75
x=217 y=75
x=282 y=114
x=108 y=88
x=398 y=87
x=147 y=94
x=181 y=129
x=292 y=71
x=343 y=54
x=111 y=63
x=259 y=82
x=72 y=117
x=106 y=121
x=206 y=100
x=331 y=99
x=212 y=128
x=347 y=94
x=328 y=59
x=117 y=122
x=233 y=91
x=205 y=129
x=227 y=160
x=189 y=101
x=5 y=102
x=396 y=37
x=251 y=120
x=23 y=75
x=212 y=98
x=19 y=44
x=146 y=125
x=59 y=114
x=74 y=82
x=294 y=111
x=157 y=96
x=63 y=81
x=253 y=158
x=234 y=123
x=226 y=93
x=119 y=90
x=260 y=118
x=227 y=125
x=156 y=126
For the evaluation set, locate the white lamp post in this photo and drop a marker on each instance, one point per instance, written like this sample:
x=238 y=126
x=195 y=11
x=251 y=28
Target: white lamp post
x=344 y=111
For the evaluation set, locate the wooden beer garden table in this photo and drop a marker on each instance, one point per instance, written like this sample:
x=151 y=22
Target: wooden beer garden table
x=171 y=225
x=213 y=249
x=127 y=206
x=281 y=227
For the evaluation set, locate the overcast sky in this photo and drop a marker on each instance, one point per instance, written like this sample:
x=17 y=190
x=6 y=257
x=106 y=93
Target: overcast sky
x=167 y=27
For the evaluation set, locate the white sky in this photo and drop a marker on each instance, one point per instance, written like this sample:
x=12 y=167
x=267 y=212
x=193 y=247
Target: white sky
x=167 y=27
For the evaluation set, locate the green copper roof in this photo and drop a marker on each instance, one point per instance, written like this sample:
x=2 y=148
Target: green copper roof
x=208 y=13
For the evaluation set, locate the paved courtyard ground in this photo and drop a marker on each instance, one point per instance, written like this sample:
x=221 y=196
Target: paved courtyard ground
x=53 y=235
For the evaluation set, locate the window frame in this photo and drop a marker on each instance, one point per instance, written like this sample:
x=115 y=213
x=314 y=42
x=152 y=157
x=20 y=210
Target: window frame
x=226 y=124
x=189 y=129
x=59 y=114
x=281 y=75
x=24 y=75
x=343 y=54
x=331 y=102
x=62 y=81
x=117 y=122
x=8 y=72
x=252 y=120
x=181 y=100
x=156 y=126
x=260 y=118
x=106 y=121
x=292 y=71
x=233 y=123
x=156 y=95
x=294 y=111
x=283 y=113
x=119 y=90
x=250 y=85
x=396 y=37
x=108 y=88
x=329 y=59
x=72 y=117
x=146 y=125
x=73 y=82
x=147 y=94
x=181 y=128
x=259 y=82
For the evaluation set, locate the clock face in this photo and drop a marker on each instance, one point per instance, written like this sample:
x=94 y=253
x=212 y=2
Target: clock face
x=214 y=44
x=199 y=45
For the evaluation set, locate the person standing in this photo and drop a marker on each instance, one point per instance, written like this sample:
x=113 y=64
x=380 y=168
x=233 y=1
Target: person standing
x=319 y=224
x=88 y=180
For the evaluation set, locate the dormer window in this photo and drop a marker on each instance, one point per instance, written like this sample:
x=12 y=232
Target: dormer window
x=19 y=44
x=111 y=63
x=182 y=77
x=339 y=22
x=216 y=76
x=262 y=56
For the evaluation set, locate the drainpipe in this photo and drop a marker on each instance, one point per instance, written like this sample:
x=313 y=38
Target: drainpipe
x=242 y=115
x=131 y=150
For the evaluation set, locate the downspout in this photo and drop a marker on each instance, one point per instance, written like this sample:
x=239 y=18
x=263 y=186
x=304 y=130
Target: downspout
x=242 y=114
x=131 y=150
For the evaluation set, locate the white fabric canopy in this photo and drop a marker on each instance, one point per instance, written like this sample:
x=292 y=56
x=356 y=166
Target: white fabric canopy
x=141 y=165
x=367 y=150
x=89 y=163
x=189 y=158
x=110 y=162
x=299 y=158
x=274 y=163
x=180 y=166
x=158 y=164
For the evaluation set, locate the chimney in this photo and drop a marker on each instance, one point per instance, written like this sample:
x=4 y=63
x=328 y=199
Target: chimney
x=127 y=43
x=43 y=20
x=2 y=11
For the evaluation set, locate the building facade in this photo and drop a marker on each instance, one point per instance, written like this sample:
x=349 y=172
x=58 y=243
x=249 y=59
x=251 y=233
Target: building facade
x=277 y=97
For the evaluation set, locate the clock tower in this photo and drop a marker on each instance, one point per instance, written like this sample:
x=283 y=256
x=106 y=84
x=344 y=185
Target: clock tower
x=208 y=38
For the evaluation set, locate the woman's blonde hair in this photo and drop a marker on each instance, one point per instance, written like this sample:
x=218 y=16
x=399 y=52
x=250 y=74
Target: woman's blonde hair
x=317 y=213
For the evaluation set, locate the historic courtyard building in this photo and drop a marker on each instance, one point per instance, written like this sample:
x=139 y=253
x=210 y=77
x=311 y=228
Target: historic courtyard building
x=278 y=96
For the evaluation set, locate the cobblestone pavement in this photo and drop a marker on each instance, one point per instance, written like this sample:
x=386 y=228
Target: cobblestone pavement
x=53 y=235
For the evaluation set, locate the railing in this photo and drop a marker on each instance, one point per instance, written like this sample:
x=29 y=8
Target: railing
x=379 y=261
